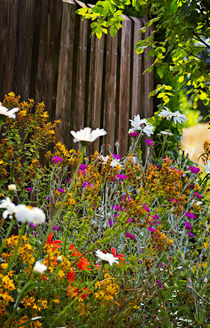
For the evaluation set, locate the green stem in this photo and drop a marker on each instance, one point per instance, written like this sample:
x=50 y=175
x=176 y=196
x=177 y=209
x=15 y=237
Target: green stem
x=13 y=259
x=18 y=300
x=7 y=234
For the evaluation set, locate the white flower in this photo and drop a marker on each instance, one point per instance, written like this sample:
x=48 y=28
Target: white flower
x=106 y=257
x=166 y=113
x=137 y=123
x=114 y=162
x=148 y=130
x=39 y=267
x=178 y=117
x=86 y=135
x=207 y=167
x=12 y=187
x=33 y=215
x=10 y=207
x=6 y=112
x=166 y=133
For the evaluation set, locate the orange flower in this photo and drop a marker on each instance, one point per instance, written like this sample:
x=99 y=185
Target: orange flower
x=82 y=262
x=55 y=243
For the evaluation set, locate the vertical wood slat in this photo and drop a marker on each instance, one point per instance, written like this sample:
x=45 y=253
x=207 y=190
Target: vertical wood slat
x=124 y=86
x=110 y=88
x=95 y=87
x=136 y=101
x=65 y=75
x=47 y=74
x=8 y=27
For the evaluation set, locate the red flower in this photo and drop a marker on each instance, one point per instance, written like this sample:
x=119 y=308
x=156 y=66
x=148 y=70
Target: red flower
x=71 y=276
x=119 y=256
x=55 y=243
x=82 y=262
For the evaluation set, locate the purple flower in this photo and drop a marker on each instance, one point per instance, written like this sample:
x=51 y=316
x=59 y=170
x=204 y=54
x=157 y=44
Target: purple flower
x=172 y=200
x=188 y=225
x=146 y=208
x=149 y=142
x=156 y=217
x=116 y=156
x=190 y=215
x=128 y=235
x=194 y=169
x=83 y=167
x=117 y=208
x=56 y=159
x=191 y=186
x=32 y=225
x=158 y=282
x=47 y=198
x=56 y=228
x=69 y=180
x=198 y=195
x=130 y=220
x=190 y=234
x=85 y=184
x=140 y=262
x=151 y=229
x=121 y=176
x=28 y=189
x=133 y=134
x=111 y=223
x=61 y=190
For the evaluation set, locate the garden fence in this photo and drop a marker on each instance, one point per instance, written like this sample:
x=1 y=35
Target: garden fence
x=46 y=53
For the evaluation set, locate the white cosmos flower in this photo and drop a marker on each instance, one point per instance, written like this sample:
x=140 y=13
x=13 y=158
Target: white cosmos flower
x=6 y=112
x=107 y=257
x=166 y=133
x=12 y=187
x=207 y=167
x=33 y=215
x=148 y=130
x=86 y=135
x=10 y=207
x=137 y=122
x=39 y=267
x=177 y=116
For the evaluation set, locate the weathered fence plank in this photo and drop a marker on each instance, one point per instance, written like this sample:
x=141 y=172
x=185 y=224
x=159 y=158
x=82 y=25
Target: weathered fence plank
x=65 y=73
x=124 y=86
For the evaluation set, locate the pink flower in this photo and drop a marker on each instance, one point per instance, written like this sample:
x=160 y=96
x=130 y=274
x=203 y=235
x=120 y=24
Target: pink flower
x=188 y=225
x=61 y=190
x=56 y=159
x=149 y=142
x=129 y=235
x=198 y=195
x=190 y=234
x=121 y=176
x=117 y=156
x=146 y=208
x=85 y=184
x=111 y=223
x=133 y=134
x=190 y=215
x=194 y=169
x=172 y=200
x=151 y=229
x=83 y=167
x=29 y=189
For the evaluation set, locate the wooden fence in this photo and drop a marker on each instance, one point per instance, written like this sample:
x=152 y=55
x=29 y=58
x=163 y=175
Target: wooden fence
x=46 y=53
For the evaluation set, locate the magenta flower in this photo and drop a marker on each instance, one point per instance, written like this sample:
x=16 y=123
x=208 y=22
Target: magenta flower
x=56 y=228
x=130 y=236
x=83 y=167
x=56 y=159
x=121 y=176
x=194 y=169
x=29 y=189
x=190 y=215
x=151 y=229
x=130 y=220
x=190 y=234
x=32 y=225
x=146 y=208
x=156 y=217
x=197 y=195
x=117 y=156
x=85 y=184
x=61 y=190
x=111 y=223
x=149 y=142
x=188 y=225
x=172 y=200
x=69 y=180
x=47 y=198
x=134 y=134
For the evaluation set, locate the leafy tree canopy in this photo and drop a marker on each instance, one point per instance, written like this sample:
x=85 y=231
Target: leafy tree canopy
x=179 y=43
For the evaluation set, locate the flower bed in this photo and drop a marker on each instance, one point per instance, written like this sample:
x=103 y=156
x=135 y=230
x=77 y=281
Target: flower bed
x=103 y=241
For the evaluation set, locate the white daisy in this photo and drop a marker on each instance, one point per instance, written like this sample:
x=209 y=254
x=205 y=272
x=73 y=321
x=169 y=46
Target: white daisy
x=39 y=267
x=137 y=122
x=86 y=135
x=148 y=130
x=6 y=112
x=178 y=117
x=33 y=215
x=165 y=113
x=10 y=207
x=166 y=133
x=107 y=257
